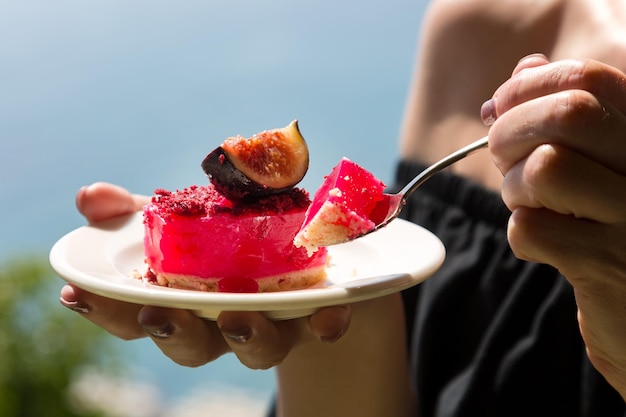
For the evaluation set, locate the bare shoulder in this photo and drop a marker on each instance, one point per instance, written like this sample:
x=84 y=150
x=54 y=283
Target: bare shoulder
x=467 y=49
x=493 y=25
x=511 y=13
x=473 y=45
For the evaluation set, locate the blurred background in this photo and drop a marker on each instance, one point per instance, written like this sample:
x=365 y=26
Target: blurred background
x=137 y=93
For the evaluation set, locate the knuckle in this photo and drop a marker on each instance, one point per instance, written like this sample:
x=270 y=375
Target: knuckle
x=261 y=363
x=189 y=362
x=577 y=110
x=542 y=168
x=190 y=358
x=524 y=234
x=516 y=235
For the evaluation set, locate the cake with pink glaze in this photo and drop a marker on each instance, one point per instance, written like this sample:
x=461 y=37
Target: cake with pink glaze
x=343 y=207
x=198 y=239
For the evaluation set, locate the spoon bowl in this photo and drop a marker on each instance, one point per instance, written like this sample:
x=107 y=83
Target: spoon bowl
x=391 y=205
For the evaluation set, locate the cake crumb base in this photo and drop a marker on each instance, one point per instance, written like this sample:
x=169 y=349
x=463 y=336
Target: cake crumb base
x=295 y=280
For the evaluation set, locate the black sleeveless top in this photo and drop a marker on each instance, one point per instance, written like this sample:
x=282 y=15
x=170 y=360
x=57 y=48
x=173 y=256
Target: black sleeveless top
x=491 y=335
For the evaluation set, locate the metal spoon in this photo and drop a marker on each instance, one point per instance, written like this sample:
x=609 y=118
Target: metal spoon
x=392 y=204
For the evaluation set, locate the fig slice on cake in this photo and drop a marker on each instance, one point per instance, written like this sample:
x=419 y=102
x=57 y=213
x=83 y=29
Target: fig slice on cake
x=269 y=162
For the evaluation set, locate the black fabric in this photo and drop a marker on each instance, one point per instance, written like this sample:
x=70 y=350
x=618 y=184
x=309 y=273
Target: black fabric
x=492 y=335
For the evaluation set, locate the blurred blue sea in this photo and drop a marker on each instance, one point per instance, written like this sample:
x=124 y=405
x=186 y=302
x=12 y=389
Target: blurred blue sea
x=136 y=93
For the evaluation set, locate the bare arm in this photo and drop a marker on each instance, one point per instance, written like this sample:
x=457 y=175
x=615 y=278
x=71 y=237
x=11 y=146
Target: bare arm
x=364 y=374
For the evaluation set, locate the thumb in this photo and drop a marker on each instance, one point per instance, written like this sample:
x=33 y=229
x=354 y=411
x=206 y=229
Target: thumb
x=102 y=201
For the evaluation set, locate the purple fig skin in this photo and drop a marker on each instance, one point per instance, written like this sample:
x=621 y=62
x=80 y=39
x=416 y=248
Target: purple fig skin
x=231 y=182
x=270 y=162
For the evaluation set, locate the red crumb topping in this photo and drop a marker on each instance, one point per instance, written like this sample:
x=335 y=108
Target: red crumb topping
x=205 y=200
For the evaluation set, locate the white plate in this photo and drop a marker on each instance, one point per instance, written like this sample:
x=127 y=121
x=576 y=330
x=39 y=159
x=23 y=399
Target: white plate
x=102 y=259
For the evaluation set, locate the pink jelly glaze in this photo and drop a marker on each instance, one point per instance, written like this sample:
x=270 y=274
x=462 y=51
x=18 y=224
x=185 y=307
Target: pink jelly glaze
x=342 y=207
x=198 y=232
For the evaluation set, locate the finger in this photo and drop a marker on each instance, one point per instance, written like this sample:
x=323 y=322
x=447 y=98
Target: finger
x=591 y=256
x=599 y=79
x=101 y=201
x=579 y=248
x=530 y=61
x=566 y=182
x=331 y=323
x=182 y=336
x=489 y=110
x=258 y=342
x=575 y=119
x=116 y=317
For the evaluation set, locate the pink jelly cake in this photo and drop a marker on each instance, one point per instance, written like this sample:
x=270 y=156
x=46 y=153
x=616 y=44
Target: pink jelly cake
x=198 y=239
x=342 y=208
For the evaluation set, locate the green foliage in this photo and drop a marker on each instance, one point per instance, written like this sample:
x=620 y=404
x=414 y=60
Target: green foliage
x=42 y=344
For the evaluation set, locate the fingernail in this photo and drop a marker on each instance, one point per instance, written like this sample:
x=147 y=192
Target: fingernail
x=331 y=338
x=76 y=306
x=488 y=112
x=80 y=195
x=536 y=55
x=160 y=331
x=82 y=190
x=239 y=335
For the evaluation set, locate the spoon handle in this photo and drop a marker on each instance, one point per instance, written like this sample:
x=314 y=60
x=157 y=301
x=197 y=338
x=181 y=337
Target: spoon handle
x=441 y=164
